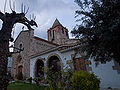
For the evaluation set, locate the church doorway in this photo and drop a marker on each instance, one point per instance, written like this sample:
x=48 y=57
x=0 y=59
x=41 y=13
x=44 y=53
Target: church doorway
x=39 y=68
x=54 y=64
x=20 y=73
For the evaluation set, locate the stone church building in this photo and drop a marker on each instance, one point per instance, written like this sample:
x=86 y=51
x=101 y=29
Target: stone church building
x=58 y=52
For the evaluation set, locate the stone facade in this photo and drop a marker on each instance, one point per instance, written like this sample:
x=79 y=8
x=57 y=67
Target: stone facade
x=58 y=38
x=61 y=52
x=21 y=59
x=32 y=45
x=105 y=72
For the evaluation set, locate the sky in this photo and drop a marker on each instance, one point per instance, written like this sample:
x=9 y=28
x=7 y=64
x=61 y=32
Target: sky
x=46 y=11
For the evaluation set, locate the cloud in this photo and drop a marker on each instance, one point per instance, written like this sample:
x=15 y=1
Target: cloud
x=46 y=11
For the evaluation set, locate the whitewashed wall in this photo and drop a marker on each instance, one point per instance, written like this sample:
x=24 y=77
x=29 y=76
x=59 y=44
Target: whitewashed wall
x=64 y=57
x=108 y=76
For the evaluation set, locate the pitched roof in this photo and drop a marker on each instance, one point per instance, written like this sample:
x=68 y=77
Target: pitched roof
x=37 y=38
x=61 y=48
x=56 y=23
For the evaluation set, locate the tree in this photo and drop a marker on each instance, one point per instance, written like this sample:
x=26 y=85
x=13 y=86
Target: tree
x=101 y=27
x=9 y=19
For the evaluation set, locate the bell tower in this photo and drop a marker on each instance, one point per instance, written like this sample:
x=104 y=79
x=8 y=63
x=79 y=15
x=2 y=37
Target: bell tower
x=57 y=33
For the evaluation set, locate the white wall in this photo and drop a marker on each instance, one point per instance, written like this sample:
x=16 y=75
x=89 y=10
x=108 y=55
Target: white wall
x=65 y=56
x=108 y=76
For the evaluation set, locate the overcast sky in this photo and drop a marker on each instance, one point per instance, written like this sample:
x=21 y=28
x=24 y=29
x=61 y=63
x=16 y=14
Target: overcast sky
x=46 y=11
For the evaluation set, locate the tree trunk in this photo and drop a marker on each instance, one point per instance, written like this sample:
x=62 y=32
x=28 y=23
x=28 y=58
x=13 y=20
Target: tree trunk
x=4 y=52
x=9 y=19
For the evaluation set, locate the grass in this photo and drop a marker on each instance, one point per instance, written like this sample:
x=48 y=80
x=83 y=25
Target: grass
x=26 y=86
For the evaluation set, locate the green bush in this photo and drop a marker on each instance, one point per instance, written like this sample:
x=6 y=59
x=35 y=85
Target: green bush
x=29 y=80
x=53 y=79
x=83 y=80
x=20 y=76
x=65 y=81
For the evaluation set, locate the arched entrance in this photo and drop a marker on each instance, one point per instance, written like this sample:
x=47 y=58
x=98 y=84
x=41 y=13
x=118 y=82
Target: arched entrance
x=54 y=64
x=39 y=72
x=20 y=73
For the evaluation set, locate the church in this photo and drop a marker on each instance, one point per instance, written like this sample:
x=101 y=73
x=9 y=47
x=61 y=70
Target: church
x=60 y=52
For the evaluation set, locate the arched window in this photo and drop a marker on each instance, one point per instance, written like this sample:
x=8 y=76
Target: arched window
x=39 y=68
x=54 y=64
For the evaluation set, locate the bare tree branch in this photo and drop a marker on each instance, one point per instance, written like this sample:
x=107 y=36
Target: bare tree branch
x=27 y=10
x=10 y=5
x=5 y=5
x=14 y=6
x=22 y=8
x=1 y=16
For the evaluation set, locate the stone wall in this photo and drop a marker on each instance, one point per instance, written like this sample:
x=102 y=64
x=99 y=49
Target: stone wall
x=23 y=39
x=32 y=45
x=40 y=45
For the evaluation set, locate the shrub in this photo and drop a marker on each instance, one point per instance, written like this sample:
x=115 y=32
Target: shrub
x=53 y=79
x=29 y=80
x=20 y=76
x=37 y=79
x=66 y=82
x=83 y=80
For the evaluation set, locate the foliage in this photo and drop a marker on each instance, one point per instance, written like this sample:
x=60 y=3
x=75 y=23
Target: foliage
x=83 y=80
x=52 y=77
x=20 y=76
x=29 y=79
x=100 y=26
x=69 y=80
x=36 y=79
x=60 y=80
x=66 y=82
x=110 y=88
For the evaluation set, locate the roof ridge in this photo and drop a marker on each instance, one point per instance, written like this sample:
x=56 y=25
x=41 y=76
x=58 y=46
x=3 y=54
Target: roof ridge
x=45 y=40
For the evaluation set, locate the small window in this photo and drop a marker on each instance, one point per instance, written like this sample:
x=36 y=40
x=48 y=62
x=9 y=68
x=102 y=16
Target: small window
x=20 y=46
x=50 y=33
x=62 y=31
x=53 y=34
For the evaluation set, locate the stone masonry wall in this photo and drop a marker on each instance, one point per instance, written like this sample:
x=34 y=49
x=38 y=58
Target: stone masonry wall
x=24 y=40
x=59 y=36
x=32 y=45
